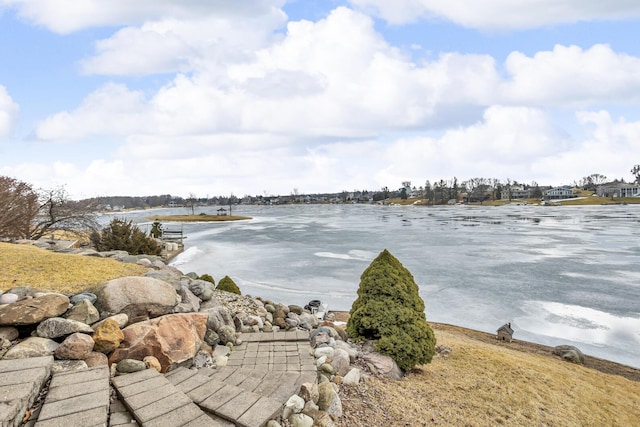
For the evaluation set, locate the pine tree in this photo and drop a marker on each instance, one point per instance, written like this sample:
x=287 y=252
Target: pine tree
x=390 y=311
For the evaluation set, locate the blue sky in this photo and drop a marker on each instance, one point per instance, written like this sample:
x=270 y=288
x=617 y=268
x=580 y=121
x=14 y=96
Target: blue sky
x=267 y=96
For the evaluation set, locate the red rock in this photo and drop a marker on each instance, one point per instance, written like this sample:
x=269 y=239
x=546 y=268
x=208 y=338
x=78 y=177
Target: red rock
x=173 y=339
x=76 y=346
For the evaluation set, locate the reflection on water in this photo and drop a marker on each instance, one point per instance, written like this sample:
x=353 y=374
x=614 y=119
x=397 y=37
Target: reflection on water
x=477 y=267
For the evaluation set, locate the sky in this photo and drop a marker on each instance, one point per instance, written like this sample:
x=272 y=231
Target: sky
x=265 y=97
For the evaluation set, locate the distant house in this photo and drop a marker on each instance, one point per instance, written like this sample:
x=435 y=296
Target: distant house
x=564 y=192
x=222 y=212
x=504 y=332
x=618 y=189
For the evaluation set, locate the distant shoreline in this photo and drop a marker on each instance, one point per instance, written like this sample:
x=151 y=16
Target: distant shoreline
x=198 y=218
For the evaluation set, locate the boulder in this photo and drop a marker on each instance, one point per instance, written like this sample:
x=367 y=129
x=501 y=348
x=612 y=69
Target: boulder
x=32 y=347
x=173 y=339
x=202 y=288
x=189 y=298
x=294 y=405
x=340 y=362
x=384 y=364
x=83 y=311
x=8 y=298
x=96 y=359
x=569 y=353
x=352 y=378
x=30 y=311
x=76 y=346
x=9 y=333
x=107 y=336
x=57 y=327
x=227 y=334
x=137 y=297
x=152 y=363
x=167 y=275
x=309 y=392
x=128 y=366
x=301 y=420
x=83 y=296
x=219 y=316
x=329 y=400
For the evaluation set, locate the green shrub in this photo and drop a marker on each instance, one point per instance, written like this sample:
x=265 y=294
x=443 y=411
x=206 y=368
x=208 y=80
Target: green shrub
x=124 y=236
x=207 y=278
x=390 y=311
x=227 y=284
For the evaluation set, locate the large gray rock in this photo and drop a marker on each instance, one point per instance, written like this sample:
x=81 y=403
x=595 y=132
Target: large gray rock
x=340 y=362
x=57 y=327
x=219 y=316
x=167 y=275
x=32 y=347
x=569 y=353
x=83 y=311
x=137 y=297
x=202 y=289
x=189 y=298
x=30 y=311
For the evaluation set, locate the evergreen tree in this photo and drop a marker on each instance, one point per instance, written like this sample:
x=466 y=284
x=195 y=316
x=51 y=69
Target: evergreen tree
x=228 y=285
x=123 y=235
x=390 y=311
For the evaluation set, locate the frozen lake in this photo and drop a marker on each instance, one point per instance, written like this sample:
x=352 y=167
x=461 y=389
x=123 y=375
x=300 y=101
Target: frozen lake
x=560 y=275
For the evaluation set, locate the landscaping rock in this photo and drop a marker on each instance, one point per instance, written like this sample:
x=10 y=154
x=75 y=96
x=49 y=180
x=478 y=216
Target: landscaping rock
x=76 y=346
x=107 y=336
x=8 y=298
x=9 y=333
x=352 y=378
x=96 y=359
x=32 y=347
x=57 y=327
x=384 y=365
x=340 y=362
x=329 y=400
x=30 y=311
x=173 y=339
x=83 y=296
x=83 y=311
x=128 y=366
x=189 y=298
x=137 y=297
x=152 y=363
x=68 y=366
x=309 y=392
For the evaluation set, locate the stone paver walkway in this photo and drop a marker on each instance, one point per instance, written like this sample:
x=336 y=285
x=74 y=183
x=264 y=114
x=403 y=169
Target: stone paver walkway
x=262 y=373
x=78 y=398
x=20 y=383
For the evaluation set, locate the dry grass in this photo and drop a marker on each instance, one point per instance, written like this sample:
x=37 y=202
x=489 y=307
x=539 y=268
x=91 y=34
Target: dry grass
x=198 y=218
x=482 y=384
x=25 y=265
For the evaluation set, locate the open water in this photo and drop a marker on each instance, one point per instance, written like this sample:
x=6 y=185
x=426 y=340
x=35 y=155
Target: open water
x=560 y=275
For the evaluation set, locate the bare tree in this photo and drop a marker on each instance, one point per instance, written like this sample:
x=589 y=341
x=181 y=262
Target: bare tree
x=18 y=207
x=57 y=212
x=192 y=200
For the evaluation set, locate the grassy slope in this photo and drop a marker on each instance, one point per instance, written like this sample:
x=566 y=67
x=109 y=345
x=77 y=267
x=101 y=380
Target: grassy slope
x=481 y=384
x=24 y=265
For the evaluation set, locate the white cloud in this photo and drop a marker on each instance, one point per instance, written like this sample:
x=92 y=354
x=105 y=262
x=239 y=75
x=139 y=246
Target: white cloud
x=503 y=144
x=64 y=16
x=171 y=45
x=8 y=113
x=570 y=75
x=500 y=14
x=296 y=86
